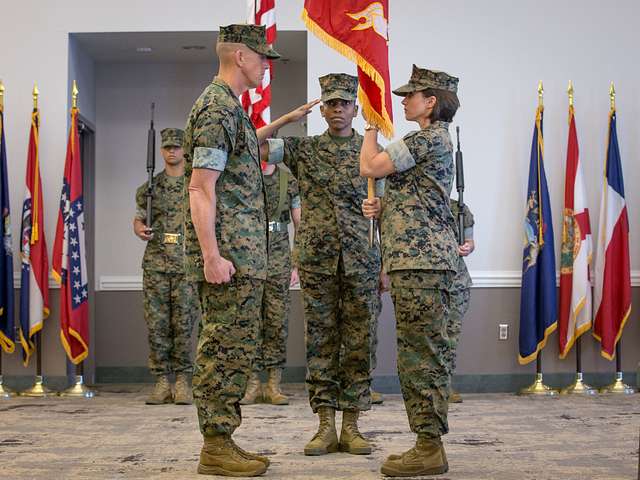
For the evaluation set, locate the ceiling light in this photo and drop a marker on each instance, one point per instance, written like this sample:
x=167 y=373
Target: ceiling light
x=144 y=49
x=194 y=47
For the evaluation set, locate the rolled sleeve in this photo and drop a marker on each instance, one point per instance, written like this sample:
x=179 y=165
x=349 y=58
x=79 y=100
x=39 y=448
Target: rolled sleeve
x=400 y=156
x=141 y=214
x=210 y=158
x=276 y=150
x=295 y=202
x=468 y=233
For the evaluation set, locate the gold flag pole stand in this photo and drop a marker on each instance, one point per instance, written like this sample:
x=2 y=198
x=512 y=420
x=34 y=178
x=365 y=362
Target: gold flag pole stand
x=618 y=386
x=38 y=389
x=538 y=388
x=4 y=391
x=578 y=387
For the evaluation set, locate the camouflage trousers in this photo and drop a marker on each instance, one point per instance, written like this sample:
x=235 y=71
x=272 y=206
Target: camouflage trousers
x=337 y=313
x=272 y=336
x=373 y=332
x=421 y=301
x=226 y=350
x=459 y=305
x=170 y=311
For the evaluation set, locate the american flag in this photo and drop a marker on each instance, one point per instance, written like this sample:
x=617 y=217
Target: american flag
x=69 y=260
x=257 y=101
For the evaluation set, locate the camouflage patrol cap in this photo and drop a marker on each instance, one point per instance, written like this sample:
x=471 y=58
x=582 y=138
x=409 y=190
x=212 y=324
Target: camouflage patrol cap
x=338 y=85
x=421 y=79
x=253 y=36
x=171 y=137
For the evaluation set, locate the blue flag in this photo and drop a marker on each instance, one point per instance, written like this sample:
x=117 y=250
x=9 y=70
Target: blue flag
x=538 y=300
x=7 y=332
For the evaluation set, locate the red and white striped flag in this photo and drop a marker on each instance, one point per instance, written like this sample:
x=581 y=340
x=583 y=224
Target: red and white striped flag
x=575 y=257
x=257 y=101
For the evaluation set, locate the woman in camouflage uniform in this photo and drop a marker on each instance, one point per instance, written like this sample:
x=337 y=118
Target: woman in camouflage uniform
x=420 y=255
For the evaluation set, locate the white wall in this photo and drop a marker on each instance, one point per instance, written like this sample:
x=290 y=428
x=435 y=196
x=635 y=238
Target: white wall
x=499 y=48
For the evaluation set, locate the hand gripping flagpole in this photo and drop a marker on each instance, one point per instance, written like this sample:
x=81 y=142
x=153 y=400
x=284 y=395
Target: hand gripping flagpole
x=4 y=391
x=578 y=387
x=618 y=386
x=538 y=387
x=37 y=389
x=78 y=389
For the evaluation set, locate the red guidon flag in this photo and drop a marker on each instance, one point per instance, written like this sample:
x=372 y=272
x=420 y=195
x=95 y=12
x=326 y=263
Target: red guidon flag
x=69 y=261
x=358 y=29
x=575 y=257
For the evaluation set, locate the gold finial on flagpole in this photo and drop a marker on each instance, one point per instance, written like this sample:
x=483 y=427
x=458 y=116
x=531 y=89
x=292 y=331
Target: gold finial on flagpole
x=74 y=95
x=570 y=92
x=1 y=96
x=540 y=93
x=612 y=96
x=36 y=92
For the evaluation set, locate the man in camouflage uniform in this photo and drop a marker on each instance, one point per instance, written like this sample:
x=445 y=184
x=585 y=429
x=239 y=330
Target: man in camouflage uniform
x=226 y=245
x=170 y=308
x=461 y=290
x=338 y=271
x=283 y=206
x=420 y=255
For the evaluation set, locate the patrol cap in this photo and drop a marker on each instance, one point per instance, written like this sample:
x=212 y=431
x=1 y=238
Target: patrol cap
x=171 y=137
x=253 y=36
x=422 y=78
x=338 y=85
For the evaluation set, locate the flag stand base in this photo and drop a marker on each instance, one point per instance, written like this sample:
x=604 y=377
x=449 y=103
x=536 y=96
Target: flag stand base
x=5 y=392
x=78 y=390
x=538 y=388
x=618 y=387
x=579 y=388
x=38 y=390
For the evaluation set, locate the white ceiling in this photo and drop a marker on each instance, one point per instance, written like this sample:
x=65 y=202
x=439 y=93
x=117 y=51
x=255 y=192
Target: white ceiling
x=168 y=47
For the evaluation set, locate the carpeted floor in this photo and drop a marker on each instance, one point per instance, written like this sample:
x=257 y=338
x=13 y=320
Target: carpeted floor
x=499 y=436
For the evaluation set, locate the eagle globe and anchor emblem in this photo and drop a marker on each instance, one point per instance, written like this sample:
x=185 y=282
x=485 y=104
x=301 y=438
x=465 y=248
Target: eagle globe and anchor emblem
x=372 y=17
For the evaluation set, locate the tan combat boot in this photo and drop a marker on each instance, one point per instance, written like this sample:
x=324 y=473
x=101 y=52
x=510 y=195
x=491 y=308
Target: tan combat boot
x=455 y=397
x=351 y=440
x=161 y=392
x=376 y=398
x=271 y=392
x=184 y=395
x=221 y=456
x=326 y=438
x=253 y=394
x=426 y=458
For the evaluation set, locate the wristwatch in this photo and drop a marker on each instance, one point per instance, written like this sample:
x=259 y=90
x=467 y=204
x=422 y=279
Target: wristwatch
x=369 y=126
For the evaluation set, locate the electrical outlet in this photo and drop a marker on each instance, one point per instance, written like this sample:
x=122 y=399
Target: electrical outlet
x=503 y=331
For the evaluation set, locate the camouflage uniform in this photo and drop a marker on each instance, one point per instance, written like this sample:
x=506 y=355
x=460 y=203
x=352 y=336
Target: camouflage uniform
x=338 y=272
x=419 y=252
x=461 y=290
x=170 y=308
x=272 y=350
x=220 y=136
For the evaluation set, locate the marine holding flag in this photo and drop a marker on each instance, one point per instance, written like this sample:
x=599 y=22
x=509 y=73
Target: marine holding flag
x=7 y=333
x=34 y=283
x=420 y=254
x=69 y=259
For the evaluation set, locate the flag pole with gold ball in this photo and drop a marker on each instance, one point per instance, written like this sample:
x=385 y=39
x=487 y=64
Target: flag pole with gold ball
x=538 y=387
x=4 y=391
x=79 y=389
x=38 y=389
x=618 y=386
x=578 y=387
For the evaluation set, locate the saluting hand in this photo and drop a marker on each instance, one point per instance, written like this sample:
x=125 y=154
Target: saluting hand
x=218 y=270
x=371 y=208
x=301 y=111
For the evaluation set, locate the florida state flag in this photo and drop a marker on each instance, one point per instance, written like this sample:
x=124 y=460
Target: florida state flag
x=69 y=261
x=358 y=30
